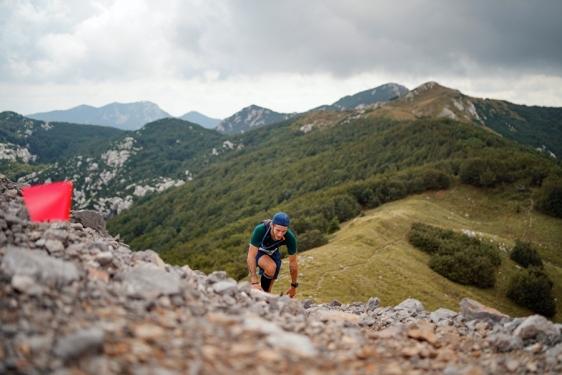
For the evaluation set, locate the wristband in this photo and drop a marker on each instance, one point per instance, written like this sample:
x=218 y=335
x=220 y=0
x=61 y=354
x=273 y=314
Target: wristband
x=295 y=285
x=255 y=283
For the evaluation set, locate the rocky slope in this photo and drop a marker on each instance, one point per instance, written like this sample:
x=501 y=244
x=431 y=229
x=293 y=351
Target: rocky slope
x=74 y=300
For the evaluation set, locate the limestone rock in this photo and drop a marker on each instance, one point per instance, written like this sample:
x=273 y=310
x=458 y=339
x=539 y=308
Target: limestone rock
x=472 y=310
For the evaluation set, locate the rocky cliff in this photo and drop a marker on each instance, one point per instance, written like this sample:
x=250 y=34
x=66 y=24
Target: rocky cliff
x=74 y=300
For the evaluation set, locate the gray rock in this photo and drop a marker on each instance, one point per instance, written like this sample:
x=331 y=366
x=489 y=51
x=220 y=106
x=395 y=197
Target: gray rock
x=472 y=309
x=38 y=265
x=149 y=256
x=225 y=287
x=442 y=314
x=307 y=303
x=335 y=303
x=54 y=246
x=412 y=305
x=25 y=284
x=505 y=343
x=217 y=276
x=90 y=219
x=555 y=351
x=150 y=282
x=79 y=343
x=97 y=247
x=373 y=303
x=513 y=324
x=536 y=325
x=104 y=258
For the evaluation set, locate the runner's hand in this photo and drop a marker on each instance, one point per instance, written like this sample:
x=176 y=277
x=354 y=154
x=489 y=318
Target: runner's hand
x=257 y=287
x=291 y=292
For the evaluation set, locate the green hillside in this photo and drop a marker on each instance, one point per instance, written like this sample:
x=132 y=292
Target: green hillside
x=111 y=174
x=371 y=256
x=52 y=141
x=536 y=126
x=46 y=143
x=316 y=176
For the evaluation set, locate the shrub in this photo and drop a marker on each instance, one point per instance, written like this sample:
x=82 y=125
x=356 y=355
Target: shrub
x=334 y=225
x=436 y=180
x=549 y=200
x=311 y=239
x=532 y=288
x=460 y=258
x=465 y=268
x=346 y=207
x=525 y=254
x=471 y=170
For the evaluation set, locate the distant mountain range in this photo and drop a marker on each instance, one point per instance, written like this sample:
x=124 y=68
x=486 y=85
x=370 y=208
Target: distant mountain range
x=110 y=166
x=128 y=116
x=132 y=116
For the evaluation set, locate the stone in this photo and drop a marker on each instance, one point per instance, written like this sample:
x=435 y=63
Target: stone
x=335 y=303
x=411 y=305
x=373 y=303
x=149 y=332
x=555 y=351
x=54 y=246
x=97 y=274
x=89 y=219
x=307 y=303
x=225 y=287
x=79 y=343
x=442 y=314
x=40 y=266
x=149 y=256
x=326 y=315
x=149 y=282
x=424 y=335
x=536 y=325
x=22 y=283
x=104 y=258
x=505 y=343
x=473 y=310
x=512 y=365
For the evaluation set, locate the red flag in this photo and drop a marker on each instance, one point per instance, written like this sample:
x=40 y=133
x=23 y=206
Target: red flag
x=48 y=202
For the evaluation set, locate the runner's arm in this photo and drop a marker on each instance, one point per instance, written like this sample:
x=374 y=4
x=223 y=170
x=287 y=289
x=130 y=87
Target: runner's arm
x=252 y=252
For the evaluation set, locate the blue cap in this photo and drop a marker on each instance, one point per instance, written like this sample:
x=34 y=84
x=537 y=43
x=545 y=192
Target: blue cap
x=281 y=218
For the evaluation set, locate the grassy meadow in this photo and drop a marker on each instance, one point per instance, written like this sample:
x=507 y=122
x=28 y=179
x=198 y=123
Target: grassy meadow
x=371 y=256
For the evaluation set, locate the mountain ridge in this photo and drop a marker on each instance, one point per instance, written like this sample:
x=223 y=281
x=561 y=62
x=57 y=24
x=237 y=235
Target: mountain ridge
x=125 y=116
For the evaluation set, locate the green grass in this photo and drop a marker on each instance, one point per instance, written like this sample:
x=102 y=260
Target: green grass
x=371 y=257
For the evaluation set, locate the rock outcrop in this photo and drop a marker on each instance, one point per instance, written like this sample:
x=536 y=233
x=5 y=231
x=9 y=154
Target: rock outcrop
x=74 y=300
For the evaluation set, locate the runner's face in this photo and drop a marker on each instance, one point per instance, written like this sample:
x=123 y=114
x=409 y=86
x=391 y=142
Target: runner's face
x=278 y=232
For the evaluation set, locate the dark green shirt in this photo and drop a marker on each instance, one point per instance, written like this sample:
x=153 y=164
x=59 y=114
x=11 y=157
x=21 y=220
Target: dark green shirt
x=259 y=235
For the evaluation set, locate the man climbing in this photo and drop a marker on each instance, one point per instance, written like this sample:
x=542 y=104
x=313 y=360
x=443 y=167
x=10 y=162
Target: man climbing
x=263 y=251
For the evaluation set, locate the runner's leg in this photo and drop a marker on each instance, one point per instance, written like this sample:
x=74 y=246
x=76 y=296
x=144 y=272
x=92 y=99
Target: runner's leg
x=269 y=268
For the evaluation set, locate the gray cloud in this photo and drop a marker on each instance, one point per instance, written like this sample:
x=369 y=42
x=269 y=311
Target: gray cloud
x=74 y=42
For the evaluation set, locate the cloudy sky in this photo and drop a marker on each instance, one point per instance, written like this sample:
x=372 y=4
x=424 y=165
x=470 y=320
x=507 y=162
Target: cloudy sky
x=218 y=56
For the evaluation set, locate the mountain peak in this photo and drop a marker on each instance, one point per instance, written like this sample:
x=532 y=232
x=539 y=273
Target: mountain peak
x=200 y=119
x=433 y=100
x=251 y=117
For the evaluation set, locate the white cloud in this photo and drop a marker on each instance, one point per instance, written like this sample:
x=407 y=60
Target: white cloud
x=218 y=56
